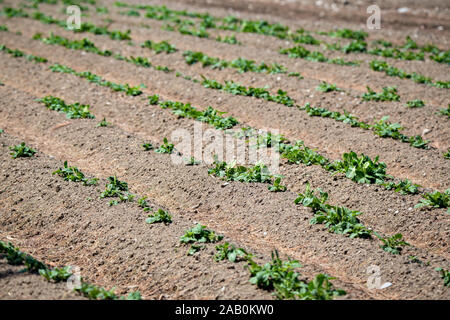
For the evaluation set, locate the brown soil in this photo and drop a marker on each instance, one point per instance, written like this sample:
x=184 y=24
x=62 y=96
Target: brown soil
x=65 y=223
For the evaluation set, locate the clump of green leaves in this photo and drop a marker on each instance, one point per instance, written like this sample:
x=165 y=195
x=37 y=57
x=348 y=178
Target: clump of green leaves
x=229 y=39
x=403 y=186
x=159 y=216
x=445 y=275
x=197 y=236
x=415 y=103
x=83 y=44
x=103 y=123
x=116 y=188
x=299 y=153
x=72 y=111
x=348 y=34
x=230 y=252
x=166 y=147
x=3 y=28
x=303 y=53
x=388 y=94
x=277 y=186
x=142 y=202
x=435 y=199
x=21 y=151
x=280 y=276
x=232 y=172
x=75 y=175
x=159 y=47
x=361 y=169
x=339 y=220
x=147 y=146
x=447 y=154
x=393 y=244
x=56 y=274
x=327 y=87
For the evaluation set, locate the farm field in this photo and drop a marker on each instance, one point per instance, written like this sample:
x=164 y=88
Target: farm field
x=213 y=149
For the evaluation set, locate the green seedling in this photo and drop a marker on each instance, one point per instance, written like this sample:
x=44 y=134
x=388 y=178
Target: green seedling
x=147 y=146
x=142 y=202
x=339 y=220
x=446 y=154
x=393 y=244
x=56 y=274
x=435 y=199
x=103 y=123
x=231 y=172
x=327 y=87
x=166 y=147
x=21 y=151
x=229 y=39
x=388 y=94
x=415 y=104
x=230 y=252
x=445 y=275
x=199 y=235
x=117 y=188
x=159 y=47
x=191 y=162
x=277 y=187
x=75 y=175
x=159 y=216
x=403 y=186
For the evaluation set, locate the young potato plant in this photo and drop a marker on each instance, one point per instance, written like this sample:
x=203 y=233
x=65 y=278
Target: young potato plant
x=445 y=275
x=75 y=175
x=56 y=274
x=393 y=244
x=435 y=199
x=231 y=172
x=21 y=151
x=403 y=186
x=116 y=188
x=327 y=87
x=72 y=111
x=166 y=147
x=159 y=47
x=415 y=103
x=230 y=252
x=197 y=236
x=447 y=154
x=159 y=216
x=361 y=169
x=388 y=94
x=3 y=28
x=142 y=202
x=340 y=220
x=229 y=39
x=147 y=146
x=281 y=277
x=277 y=186
x=103 y=123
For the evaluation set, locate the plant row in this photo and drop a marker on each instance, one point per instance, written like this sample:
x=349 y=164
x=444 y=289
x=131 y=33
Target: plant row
x=16 y=257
